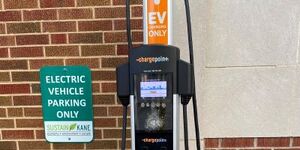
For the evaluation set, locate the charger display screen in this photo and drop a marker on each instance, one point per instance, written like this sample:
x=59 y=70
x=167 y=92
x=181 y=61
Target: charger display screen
x=154 y=103
x=153 y=89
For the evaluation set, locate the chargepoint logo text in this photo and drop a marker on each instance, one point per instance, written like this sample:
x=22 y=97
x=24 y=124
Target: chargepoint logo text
x=151 y=60
x=151 y=140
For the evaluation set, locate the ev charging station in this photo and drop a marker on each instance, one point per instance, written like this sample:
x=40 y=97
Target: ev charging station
x=155 y=82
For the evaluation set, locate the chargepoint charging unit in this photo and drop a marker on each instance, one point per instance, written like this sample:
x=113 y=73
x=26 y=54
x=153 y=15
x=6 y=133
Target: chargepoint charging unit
x=155 y=82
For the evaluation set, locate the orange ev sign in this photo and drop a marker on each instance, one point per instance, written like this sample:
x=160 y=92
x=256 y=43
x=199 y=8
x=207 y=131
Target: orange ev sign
x=157 y=22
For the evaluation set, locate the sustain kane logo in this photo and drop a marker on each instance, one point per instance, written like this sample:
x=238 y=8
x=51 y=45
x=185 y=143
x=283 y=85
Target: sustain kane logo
x=151 y=60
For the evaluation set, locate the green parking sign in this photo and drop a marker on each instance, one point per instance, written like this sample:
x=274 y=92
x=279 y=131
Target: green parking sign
x=67 y=103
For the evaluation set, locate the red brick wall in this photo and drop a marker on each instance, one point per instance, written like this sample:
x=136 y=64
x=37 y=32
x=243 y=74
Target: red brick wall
x=277 y=143
x=35 y=33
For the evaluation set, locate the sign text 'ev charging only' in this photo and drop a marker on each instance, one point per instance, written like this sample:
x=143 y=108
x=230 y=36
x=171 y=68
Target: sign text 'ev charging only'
x=157 y=26
x=157 y=22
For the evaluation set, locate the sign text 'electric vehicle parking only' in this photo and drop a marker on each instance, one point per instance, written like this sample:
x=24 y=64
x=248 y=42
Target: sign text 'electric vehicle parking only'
x=67 y=103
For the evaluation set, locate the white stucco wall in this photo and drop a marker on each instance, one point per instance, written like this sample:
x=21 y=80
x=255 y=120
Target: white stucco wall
x=248 y=72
